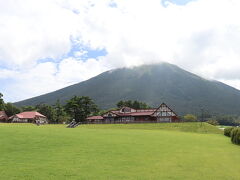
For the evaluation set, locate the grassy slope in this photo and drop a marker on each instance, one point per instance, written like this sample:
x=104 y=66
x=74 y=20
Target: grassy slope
x=185 y=127
x=113 y=152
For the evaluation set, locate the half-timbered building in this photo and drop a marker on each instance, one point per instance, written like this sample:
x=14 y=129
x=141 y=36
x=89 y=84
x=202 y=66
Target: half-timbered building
x=129 y=115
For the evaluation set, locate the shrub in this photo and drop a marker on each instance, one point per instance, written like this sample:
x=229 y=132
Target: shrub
x=190 y=118
x=235 y=136
x=227 y=131
x=212 y=122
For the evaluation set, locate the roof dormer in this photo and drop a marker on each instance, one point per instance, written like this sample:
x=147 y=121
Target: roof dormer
x=127 y=110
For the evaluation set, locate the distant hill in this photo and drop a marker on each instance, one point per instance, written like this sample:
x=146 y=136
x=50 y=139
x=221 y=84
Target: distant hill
x=153 y=84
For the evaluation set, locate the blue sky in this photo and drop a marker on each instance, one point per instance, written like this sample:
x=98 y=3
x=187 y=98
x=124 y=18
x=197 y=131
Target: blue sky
x=87 y=52
x=47 y=44
x=178 y=2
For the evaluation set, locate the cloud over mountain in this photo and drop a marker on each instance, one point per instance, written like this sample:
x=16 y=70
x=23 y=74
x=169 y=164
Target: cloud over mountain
x=44 y=44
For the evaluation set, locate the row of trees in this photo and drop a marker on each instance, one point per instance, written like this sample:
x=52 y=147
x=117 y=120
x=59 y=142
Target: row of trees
x=228 y=120
x=133 y=104
x=9 y=108
x=77 y=108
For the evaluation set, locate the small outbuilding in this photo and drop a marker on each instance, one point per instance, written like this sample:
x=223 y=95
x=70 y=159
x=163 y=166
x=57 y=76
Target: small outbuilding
x=29 y=117
x=96 y=119
x=3 y=116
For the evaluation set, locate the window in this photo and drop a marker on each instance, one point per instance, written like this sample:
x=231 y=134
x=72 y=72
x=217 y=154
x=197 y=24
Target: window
x=126 y=110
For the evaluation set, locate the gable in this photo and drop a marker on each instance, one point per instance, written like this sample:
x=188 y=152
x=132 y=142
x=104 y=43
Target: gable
x=127 y=110
x=109 y=114
x=164 y=110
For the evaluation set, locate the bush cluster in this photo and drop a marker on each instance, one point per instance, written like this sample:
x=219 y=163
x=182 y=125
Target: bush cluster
x=190 y=118
x=227 y=131
x=212 y=122
x=235 y=136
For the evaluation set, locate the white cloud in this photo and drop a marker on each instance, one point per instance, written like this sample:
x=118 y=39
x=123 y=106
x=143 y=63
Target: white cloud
x=32 y=30
x=72 y=70
x=49 y=76
x=203 y=37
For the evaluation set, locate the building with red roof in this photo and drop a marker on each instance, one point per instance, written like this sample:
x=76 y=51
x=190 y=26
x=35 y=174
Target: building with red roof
x=129 y=115
x=95 y=119
x=29 y=117
x=3 y=116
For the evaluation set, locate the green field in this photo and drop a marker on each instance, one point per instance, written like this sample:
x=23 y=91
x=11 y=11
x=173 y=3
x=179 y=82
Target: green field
x=127 y=151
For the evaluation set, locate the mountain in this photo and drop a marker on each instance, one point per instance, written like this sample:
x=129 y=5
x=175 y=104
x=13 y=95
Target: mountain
x=153 y=84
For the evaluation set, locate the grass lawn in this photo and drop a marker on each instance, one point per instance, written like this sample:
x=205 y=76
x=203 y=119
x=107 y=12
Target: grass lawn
x=127 y=151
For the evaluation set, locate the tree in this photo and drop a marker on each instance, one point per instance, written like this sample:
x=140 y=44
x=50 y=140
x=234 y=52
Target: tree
x=10 y=109
x=133 y=104
x=61 y=115
x=47 y=111
x=190 y=118
x=1 y=102
x=80 y=107
x=120 y=104
x=28 y=108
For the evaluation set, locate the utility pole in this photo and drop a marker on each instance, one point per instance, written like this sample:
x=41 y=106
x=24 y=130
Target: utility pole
x=201 y=116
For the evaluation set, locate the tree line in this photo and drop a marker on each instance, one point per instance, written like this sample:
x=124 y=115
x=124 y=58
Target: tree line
x=80 y=107
x=227 y=120
x=133 y=104
x=77 y=108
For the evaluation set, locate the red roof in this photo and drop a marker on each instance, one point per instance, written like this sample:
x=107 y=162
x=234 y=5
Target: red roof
x=29 y=115
x=147 y=113
x=153 y=109
x=139 y=112
x=3 y=115
x=95 y=117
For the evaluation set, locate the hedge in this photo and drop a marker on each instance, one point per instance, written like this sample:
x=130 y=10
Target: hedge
x=227 y=131
x=235 y=136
